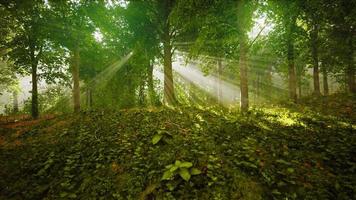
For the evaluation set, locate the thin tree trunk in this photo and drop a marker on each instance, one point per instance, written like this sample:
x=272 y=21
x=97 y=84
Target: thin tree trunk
x=350 y=68
x=142 y=92
x=89 y=97
x=269 y=82
x=300 y=85
x=244 y=102
x=168 y=73
x=34 y=93
x=220 y=71
x=314 y=49
x=16 y=102
x=151 y=93
x=325 y=82
x=291 y=71
x=258 y=86
x=75 y=74
x=243 y=75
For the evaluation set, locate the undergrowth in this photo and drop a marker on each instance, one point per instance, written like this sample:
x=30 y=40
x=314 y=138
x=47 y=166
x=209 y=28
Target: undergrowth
x=269 y=153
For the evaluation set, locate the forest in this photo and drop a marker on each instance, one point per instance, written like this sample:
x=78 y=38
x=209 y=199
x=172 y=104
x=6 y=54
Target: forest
x=177 y=99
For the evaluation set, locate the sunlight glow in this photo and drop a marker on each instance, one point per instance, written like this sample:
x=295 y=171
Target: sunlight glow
x=260 y=23
x=111 y=4
x=111 y=70
x=98 y=35
x=230 y=94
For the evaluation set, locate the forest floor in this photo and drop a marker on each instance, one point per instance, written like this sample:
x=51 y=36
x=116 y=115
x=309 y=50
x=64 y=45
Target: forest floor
x=304 y=151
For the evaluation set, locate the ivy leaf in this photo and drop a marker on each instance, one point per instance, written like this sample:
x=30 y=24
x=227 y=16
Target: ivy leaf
x=290 y=170
x=283 y=162
x=186 y=164
x=170 y=186
x=156 y=138
x=177 y=163
x=173 y=168
x=169 y=166
x=63 y=194
x=72 y=196
x=184 y=173
x=195 y=171
x=167 y=175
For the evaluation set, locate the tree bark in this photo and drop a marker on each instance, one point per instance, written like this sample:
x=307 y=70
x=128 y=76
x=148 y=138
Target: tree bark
x=314 y=50
x=325 y=82
x=243 y=75
x=15 y=102
x=34 y=92
x=269 y=83
x=151 y=92
x=169 y=96
x=220 y=71
x=300 y=85
x=291 y=70
x=89 y=95
x=243 y=40
x=75 y=74
x=141 y=96
x=350 y=67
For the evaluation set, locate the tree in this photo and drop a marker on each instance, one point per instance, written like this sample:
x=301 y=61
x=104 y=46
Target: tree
x=167 y=33
x=220 y=29
x=29 y=48
x=341 y=15
x=313 y=15
x=285 y=15
x=73 y=31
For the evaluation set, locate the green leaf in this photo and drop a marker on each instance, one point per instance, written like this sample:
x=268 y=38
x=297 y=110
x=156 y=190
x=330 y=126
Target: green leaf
x=290 y=170
x=173 y=168
x=170 y=186
x=275 y=191
x=177 y=163
x=169 y=166
x=156 y=138
x=167 y=175
x=184 y=173
x=283 y=162
x=186 y=164
x=63 y=194
x=195 y=171
x=72 y=196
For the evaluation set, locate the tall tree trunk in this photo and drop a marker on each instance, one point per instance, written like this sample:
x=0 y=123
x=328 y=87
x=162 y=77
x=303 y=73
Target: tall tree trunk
x=258 y=86
x=241 y=26
x=169 y=96
x=243 y=74
x=141 y=93
x=269 y=83
x=75 y=74
x=350 y=67
x=89 y=96
x=151 y=92
x=300 y=85
x=314 y=50
x=34 y=103
x=15 y=101
x=291 y=70
x=34 y=92
x=220 y=71
x=325 y=82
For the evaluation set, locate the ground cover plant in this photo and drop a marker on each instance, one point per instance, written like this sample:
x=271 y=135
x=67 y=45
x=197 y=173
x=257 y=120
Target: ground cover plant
x=268 y=153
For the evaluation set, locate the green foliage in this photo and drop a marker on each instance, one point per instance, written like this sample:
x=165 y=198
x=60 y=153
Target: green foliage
x=184 y=169
x=111 y=155
x=161 y=134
